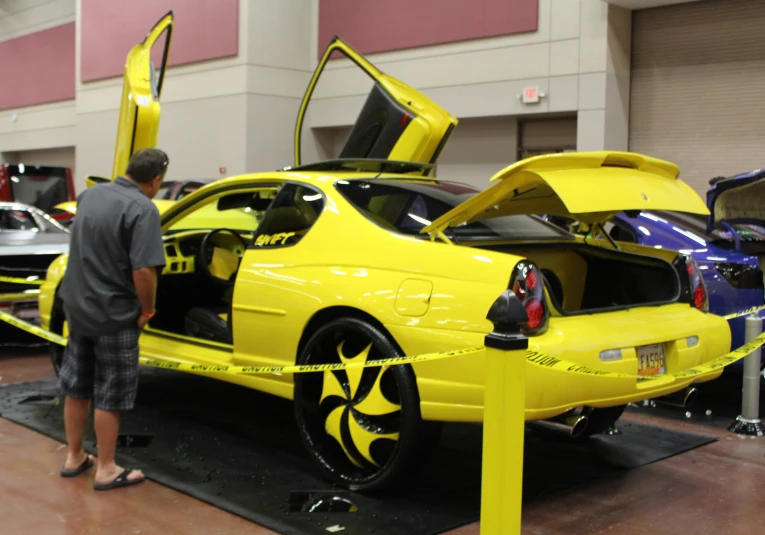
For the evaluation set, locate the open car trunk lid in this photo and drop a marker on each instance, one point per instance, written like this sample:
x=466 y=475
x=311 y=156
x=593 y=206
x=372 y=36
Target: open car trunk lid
x=738 y=199
x=590 y=187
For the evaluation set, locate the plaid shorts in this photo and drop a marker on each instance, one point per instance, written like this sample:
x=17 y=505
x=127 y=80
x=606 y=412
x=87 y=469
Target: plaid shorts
x=102 y=368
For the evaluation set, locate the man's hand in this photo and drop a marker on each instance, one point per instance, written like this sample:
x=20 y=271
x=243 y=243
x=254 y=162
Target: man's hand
x=142 y=321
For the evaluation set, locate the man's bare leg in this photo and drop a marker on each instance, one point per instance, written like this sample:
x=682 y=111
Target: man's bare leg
x=75 y=416
x=107 y=425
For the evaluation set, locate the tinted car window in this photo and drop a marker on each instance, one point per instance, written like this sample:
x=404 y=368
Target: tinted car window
x=408 y=207
x=289 y=217
x=697 y=224
x=17 y=220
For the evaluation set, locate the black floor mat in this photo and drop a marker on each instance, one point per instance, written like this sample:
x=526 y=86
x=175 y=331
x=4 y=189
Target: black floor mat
x=239 y=450
x=717 y=403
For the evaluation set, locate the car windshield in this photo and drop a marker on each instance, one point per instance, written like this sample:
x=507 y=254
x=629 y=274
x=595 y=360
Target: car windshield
x=408 y=206
x=238 y=211
x=40 y=186
x=698 y=225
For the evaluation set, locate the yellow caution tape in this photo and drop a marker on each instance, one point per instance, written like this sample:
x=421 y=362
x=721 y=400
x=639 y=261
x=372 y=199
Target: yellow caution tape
x=533 y=357
x=744 y=312
x=300 y=368
x=547 y=361
x=32 y=329
x=16 y=280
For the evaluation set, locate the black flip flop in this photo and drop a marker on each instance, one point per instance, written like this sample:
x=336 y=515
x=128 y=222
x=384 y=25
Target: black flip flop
x=119 y=481
x=74 y=472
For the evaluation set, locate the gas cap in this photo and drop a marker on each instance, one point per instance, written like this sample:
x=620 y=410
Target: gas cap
x=413 y=298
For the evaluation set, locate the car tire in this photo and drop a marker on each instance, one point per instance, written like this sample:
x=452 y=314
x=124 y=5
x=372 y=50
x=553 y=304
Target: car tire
x=57 y=325
x=362 y=428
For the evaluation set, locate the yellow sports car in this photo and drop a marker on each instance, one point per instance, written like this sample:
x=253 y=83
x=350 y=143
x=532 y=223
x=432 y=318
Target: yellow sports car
x=362 y=258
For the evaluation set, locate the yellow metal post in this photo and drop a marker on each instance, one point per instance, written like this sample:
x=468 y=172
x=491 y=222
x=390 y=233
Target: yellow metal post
x=503 y=419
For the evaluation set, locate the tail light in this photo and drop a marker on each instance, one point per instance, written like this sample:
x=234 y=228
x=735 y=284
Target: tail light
x=692 y=287
x=741 y=276
x=528 y=286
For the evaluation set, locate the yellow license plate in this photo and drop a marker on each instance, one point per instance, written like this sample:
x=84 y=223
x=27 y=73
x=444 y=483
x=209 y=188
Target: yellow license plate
x=651 y=359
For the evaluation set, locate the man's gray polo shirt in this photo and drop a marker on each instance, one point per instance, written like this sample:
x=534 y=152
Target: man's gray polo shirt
x=116 y=230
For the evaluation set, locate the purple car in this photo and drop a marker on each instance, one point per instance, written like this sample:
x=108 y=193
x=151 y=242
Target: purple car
x=733 y=278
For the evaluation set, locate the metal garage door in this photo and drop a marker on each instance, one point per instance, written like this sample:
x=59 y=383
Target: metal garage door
x=698 y=87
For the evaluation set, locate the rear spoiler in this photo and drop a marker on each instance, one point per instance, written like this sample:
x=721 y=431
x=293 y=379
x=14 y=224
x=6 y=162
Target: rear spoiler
x=592 y=160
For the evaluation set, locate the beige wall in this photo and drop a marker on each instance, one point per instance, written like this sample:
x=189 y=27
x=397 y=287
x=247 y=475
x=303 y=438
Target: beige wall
x=60 y=156
x=47 y=125
x=572 y=57
x=22 y=17
x=280 y=66
x=478 y=148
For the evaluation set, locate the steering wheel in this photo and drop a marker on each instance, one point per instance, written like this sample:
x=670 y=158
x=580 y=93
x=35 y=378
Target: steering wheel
x=207 y=253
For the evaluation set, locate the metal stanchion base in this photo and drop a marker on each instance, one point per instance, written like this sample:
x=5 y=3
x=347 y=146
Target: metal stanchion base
x=744 y=426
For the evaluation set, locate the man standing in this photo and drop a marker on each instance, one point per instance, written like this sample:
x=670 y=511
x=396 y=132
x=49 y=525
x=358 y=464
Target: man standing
x=108 y=295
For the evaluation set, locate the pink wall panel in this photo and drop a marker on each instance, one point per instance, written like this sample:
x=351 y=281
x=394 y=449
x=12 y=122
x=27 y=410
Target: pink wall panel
x=38 y=67
x=375 y=26
x=203 y=30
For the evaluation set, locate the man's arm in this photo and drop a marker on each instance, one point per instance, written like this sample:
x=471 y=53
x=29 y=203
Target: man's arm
x=145 y=280
x=147 y=253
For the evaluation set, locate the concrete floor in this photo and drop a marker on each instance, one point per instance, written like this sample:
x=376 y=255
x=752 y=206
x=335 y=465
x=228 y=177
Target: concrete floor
x=716 y=489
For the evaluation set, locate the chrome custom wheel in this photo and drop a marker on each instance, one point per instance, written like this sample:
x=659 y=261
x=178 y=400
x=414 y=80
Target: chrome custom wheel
x=361 y=426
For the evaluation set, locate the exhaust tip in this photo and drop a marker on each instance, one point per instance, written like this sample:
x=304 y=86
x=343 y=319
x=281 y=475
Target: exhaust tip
x=578 y=426
x=690 y=397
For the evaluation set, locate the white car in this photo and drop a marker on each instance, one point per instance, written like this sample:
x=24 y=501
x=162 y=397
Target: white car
x=29 y=241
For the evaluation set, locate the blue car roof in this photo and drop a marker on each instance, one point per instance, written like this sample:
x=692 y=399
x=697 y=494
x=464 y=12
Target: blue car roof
x=659 y=231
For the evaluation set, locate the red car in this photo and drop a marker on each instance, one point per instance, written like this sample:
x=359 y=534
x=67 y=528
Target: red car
x=38 y=185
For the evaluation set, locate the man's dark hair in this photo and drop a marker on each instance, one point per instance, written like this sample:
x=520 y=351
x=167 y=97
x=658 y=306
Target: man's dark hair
x=145 y=164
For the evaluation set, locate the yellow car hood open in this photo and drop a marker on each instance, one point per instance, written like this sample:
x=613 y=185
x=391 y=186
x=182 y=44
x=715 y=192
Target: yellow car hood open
x=590 y=187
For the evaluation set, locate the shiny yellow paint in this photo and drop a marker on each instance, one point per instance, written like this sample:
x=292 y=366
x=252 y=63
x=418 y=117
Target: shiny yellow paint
x=68 y=206
x=424 y=136
x=71 y=206
x=91 y=181
x=140 y=109
x=588 y=186
x=347 y=261
x=413 y=298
